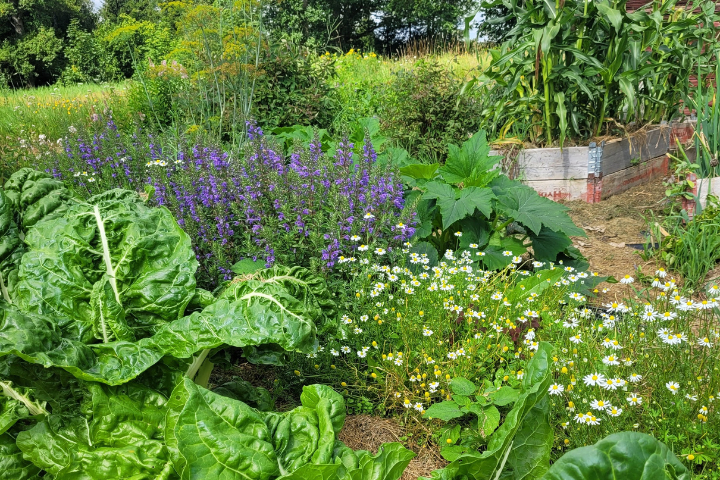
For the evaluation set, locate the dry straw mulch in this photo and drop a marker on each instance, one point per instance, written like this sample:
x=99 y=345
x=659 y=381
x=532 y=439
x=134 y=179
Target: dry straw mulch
x=365 y=432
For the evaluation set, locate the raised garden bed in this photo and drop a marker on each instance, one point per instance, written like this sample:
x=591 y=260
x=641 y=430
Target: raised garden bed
x=600 y=170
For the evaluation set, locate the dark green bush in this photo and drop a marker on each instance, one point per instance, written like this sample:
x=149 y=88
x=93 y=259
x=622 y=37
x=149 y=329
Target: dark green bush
x=424 y=110
x=294 y=88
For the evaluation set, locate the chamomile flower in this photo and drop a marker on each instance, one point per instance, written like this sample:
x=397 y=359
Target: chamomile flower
x=355 y=238
x=427 y=332
x=368 y=216
x=674 y=387
x=345 y=349
x=594 y=379
x=635 y=378
x=660 y=272
x=556 y=389
x=592 y=420
x=576 y=338
x=704 y=342
x=614 y=344
x=634 y=399
x=627 y=279
x=610 y=360
x=611 y=384
x=614 y=411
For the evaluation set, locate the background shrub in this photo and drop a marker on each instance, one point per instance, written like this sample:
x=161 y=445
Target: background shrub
x=293 y=88
x=424 y=110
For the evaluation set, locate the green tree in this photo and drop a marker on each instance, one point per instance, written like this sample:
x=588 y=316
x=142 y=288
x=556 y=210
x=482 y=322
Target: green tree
x=403 y=21
x=31 y=38
x=322 y=23
x=372 y=24
x=495 y=23
x=141 y=10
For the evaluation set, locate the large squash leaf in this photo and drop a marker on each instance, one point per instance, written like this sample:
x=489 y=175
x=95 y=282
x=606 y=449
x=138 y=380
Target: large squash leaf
x=109 y=269
x=471 y=163
x=456 y=205
x=626 y=455
x=525 y=206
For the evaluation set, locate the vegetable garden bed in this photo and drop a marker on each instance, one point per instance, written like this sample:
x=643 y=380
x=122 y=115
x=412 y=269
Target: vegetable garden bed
x=599 y=171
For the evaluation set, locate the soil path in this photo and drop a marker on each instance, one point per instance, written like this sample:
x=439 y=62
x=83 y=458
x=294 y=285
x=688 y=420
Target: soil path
x=616 y=222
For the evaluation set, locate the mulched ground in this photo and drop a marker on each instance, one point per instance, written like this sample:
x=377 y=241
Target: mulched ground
x=366 y=432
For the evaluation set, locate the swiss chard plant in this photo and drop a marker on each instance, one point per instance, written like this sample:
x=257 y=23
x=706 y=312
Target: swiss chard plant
x=103 y=325
x=626 y=455
x=468 y=201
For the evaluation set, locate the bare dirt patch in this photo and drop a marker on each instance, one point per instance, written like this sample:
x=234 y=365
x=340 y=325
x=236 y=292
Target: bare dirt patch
x=366 y=432
x=612 y=224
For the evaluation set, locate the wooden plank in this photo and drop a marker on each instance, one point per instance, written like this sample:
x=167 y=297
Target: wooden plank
x=623 y=153
x=560 y=189
x=627 y=178
x=553 y=163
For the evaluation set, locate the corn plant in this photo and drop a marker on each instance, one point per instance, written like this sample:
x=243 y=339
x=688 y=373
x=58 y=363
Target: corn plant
x=575 y=67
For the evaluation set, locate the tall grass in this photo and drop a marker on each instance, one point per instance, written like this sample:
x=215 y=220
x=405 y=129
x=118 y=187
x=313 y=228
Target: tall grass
x=50 y=110
x=30 y=119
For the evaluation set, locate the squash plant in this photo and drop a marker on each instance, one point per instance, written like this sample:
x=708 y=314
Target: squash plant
x=468 y=201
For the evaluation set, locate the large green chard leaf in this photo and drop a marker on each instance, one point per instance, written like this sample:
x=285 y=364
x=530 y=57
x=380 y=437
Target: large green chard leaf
x=299 y=282
x=624 y=455
x=12 y=464
x=389 y=464
x=17 y=403
x=121 y=438
x=307 y=433
x=211 y=436
x=485 y=465
x=529 y=457
x=11 y=249
x=267 y=315
x=112 y=246
x=256 y=397
x=36 y=196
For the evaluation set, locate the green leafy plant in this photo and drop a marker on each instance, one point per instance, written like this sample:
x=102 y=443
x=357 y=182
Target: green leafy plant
x=468 y=201
x=703 y=100
x=574 y=68
x=98 y=356
x=627 y=455
x=424 y=111
x=521 y=446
